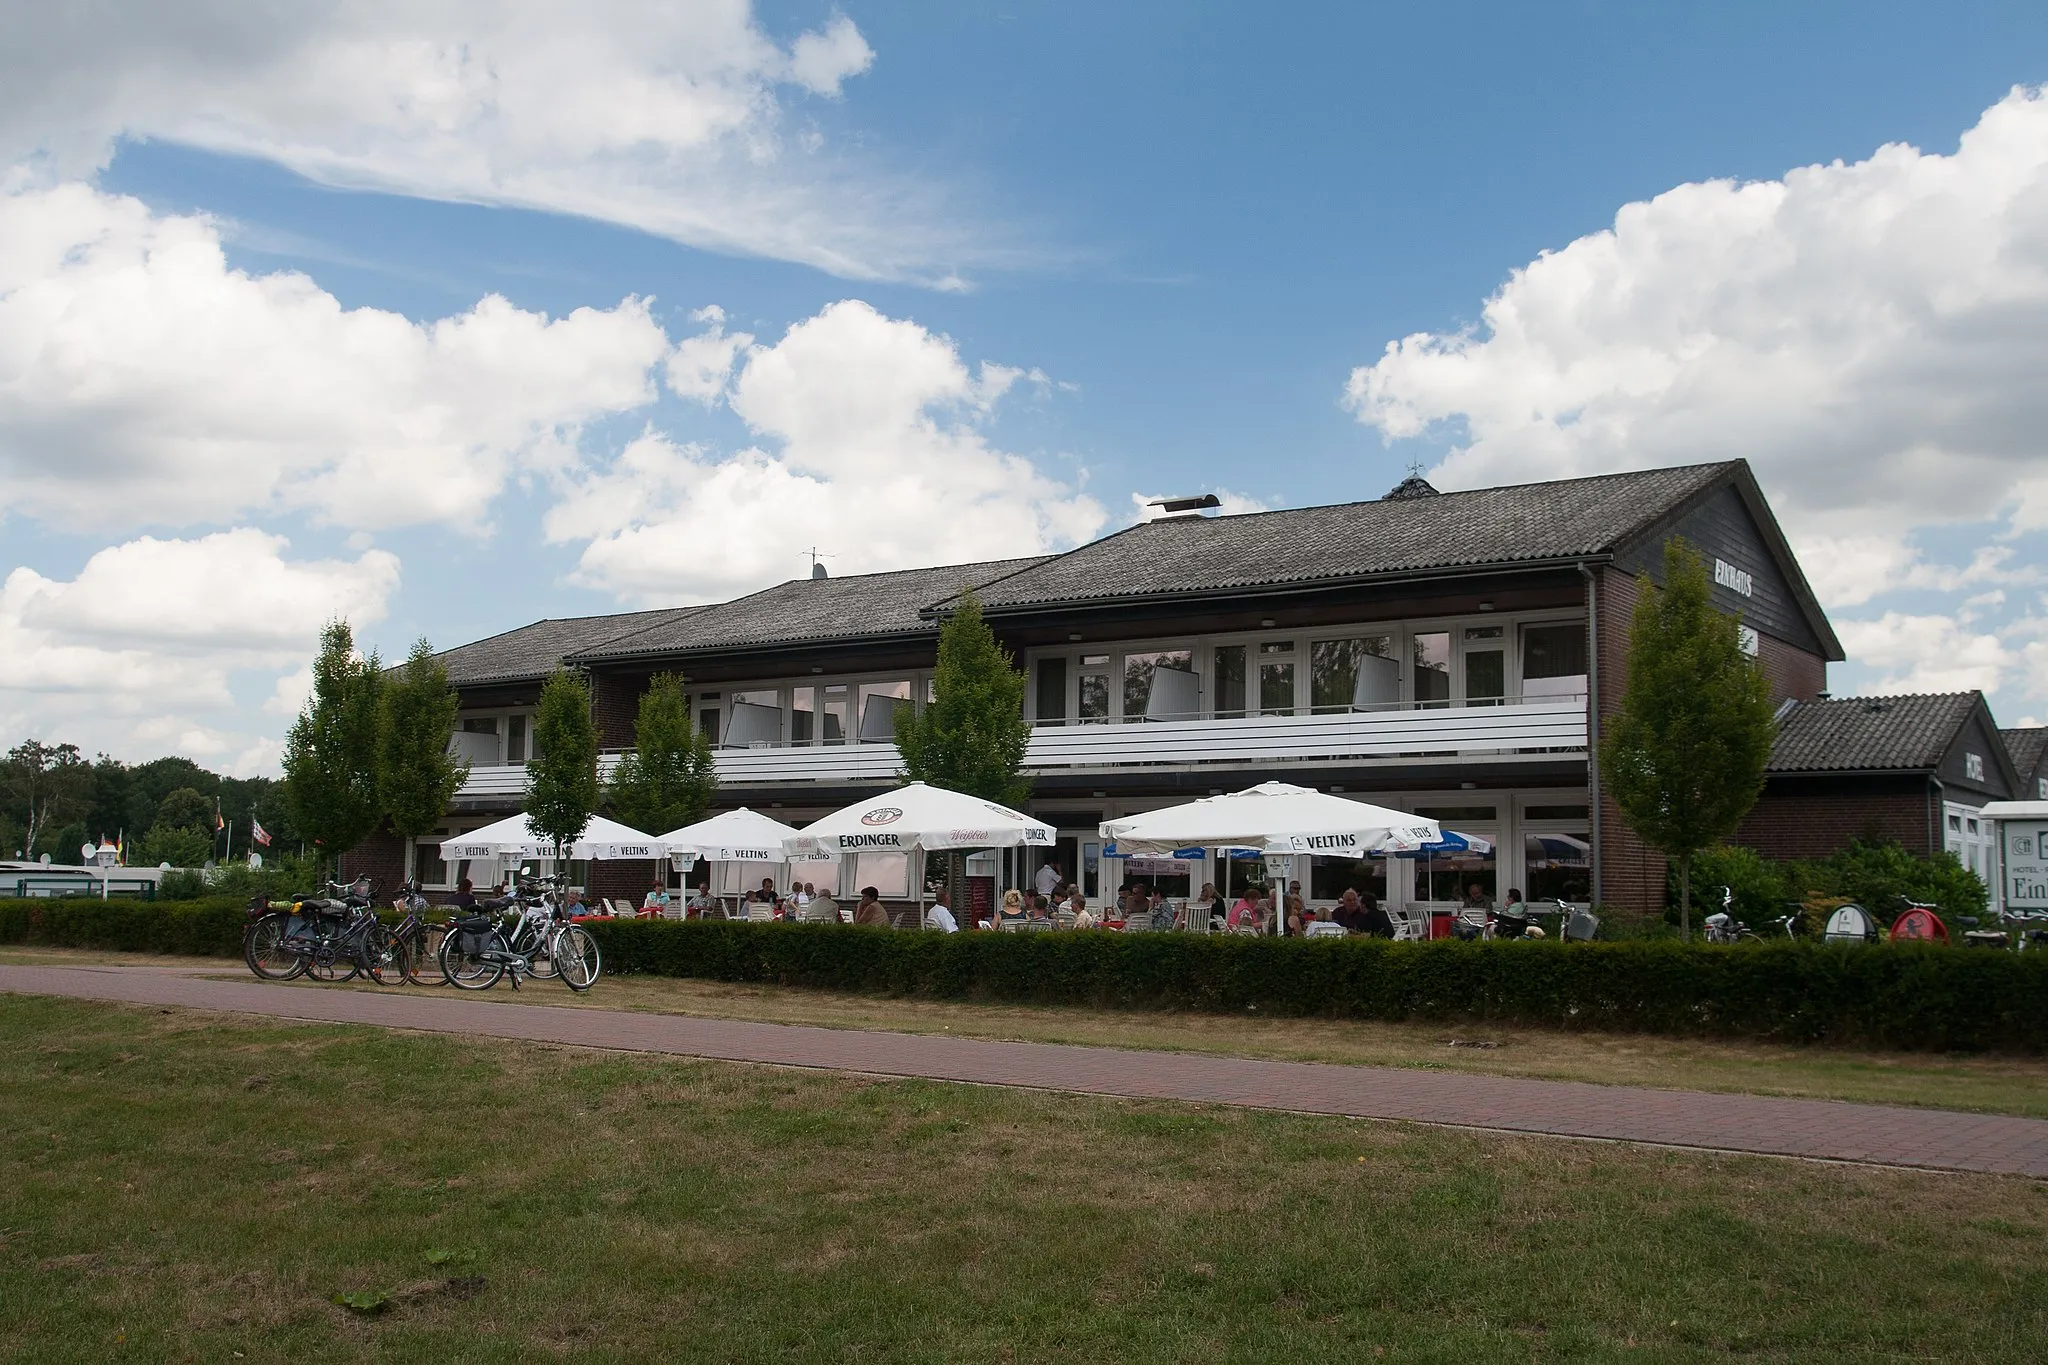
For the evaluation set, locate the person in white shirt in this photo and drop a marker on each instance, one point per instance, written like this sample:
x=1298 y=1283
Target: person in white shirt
x=1048 y=881
x=940 y=916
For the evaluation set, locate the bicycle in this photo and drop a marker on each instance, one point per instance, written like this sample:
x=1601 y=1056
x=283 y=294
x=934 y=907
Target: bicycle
x=532 y=930
x=328 y=939
x=1723 y=927
x=416 y=941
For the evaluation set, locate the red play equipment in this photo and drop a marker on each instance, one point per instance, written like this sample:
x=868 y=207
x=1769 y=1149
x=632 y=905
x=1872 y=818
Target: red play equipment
x=1919 y=923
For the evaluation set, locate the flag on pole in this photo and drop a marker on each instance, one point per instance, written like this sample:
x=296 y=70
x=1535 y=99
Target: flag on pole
x=258 y=833
x=218 y=823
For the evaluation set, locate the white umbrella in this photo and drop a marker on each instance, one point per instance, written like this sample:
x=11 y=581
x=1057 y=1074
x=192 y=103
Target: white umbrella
x=915 y=818
x=918 y=816
x=1278 y=818
x=736 y=836
x=515 y=837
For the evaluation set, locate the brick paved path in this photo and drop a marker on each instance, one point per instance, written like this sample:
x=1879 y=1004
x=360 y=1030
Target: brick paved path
x=1822 y=1129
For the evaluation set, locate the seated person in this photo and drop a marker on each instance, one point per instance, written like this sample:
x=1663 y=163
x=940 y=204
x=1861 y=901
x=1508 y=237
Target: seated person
x=1012 y=909
x=1377 y=922
x=1350 y=912
x=657 y=898
x=940 y=916
x=1084 y=918
x=1075 y=903
x=1207 y=903
x=870 y=911
x=1245 y=911
x=465 y=896
x=573 y=904
x=1040 y=908
x=765 y=895
x=1476 y=898
x=823 y=909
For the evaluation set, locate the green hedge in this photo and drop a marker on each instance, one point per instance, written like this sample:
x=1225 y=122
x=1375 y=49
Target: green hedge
x=1904 y=996
x=211 y=927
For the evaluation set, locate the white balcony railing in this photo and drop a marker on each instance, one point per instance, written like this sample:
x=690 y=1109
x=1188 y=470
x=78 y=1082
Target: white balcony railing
x=1373 y=737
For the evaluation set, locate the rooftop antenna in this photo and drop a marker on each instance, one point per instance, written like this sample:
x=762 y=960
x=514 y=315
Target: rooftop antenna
x=1415 y=469
x=817 y=569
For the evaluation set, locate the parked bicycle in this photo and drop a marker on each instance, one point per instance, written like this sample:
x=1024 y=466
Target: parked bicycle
x=1723 y=927
x=330 y=938
x=416 y=941
x=526 y=933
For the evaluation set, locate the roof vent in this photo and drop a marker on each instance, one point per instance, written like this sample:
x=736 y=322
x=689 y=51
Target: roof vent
x=818 y=571
x=1414 y=486
x=1195 y=503
x=1875 y=707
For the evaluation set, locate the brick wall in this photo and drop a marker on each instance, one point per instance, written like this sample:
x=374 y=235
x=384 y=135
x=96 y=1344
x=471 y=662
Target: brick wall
x=1814 y=817
x=614 y=707
x=1791 y=671
x=381 y=857
x=627 y=879
x=1632 y=874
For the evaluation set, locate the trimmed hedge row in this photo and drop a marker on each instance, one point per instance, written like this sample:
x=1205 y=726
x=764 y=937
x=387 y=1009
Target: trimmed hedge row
x=1892 y=996
x=211 y=927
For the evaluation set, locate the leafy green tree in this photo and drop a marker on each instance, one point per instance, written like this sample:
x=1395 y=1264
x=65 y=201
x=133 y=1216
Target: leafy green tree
x=47 y=787
x=971 y=737
x=562 y=789
x=330 y=753
x=669 y=779
x=178 y=845
x=1685 y=757
x=184 y=809
x=416 y=774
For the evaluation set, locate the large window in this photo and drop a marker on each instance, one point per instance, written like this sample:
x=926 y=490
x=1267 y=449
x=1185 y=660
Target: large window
x=1431 y=652
x=836 y=712
x=1052 y=689
x=1560 y=866
x=1228 y=662
x=1554 y=660
x=754 y=718
x=1330 y=878
x=1276 y=677
x=1161 y=685
x=1362 y=672
x=1093 y=692
x=878 y=704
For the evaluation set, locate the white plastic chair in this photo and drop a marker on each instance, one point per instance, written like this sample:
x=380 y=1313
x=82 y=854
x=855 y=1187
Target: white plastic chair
x=758 y=913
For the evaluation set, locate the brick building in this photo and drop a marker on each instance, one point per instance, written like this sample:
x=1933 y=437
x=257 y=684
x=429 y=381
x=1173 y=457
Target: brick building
x=1451 y=654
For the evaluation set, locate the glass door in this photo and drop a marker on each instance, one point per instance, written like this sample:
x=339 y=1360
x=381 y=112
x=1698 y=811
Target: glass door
x=1485 y=650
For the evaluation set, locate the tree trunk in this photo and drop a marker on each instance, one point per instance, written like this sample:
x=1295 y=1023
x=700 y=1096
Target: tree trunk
x=1685 y=898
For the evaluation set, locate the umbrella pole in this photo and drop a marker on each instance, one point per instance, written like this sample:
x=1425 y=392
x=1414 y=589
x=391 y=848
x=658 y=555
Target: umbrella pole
x=917 y=869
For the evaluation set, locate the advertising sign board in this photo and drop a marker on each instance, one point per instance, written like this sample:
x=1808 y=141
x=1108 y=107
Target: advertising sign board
x=2026 y=864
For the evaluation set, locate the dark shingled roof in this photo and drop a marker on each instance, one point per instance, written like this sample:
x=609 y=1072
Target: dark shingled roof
x=537 y=650
x=2025 y=746
x=857 y=606
x=1396 y=534
x=1865 y=734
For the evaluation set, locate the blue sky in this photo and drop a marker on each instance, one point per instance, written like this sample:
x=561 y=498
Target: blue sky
x=1080 y=251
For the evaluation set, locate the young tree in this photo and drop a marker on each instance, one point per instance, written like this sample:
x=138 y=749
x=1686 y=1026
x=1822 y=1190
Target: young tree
x=416 y=774
x=330 y=753
x=48 y=785
x=669 y=779
x=1685 y=757
x=971 y=737
x=561 y=789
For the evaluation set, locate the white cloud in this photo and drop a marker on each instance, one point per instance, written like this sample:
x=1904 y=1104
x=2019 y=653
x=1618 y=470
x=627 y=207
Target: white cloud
x=682 y=118
x=144 y=382
x=138 y=653
x=1871 y=336
x=879 y=461
x=1927 y=654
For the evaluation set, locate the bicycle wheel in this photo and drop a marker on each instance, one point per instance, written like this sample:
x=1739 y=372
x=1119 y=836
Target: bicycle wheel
x=332 y=960
x=386 y=953
x=542 y=958
x=466 y=971
x=423 y=955
x=576 y=957
x=263 y=949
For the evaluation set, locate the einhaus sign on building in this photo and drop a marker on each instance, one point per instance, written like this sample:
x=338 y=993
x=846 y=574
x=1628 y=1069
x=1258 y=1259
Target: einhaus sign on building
x=2026 y=864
